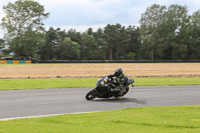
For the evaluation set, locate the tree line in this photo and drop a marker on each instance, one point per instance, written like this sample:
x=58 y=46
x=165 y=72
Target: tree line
x=164 y=34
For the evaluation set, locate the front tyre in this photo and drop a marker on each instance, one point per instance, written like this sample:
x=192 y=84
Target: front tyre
x=91 y=95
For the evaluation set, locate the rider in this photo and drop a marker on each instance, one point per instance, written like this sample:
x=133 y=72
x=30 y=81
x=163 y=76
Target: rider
x=122 y=80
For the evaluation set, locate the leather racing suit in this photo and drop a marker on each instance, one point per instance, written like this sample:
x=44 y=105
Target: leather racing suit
x=122 y=82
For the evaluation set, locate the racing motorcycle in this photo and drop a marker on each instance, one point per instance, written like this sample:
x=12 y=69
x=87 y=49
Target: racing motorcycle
x=104 y=86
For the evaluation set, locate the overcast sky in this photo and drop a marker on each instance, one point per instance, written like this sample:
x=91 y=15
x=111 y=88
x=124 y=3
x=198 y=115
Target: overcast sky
x=82 y=14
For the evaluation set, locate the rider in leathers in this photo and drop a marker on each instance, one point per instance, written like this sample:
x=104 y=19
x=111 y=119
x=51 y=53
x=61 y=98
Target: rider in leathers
x=122 y=80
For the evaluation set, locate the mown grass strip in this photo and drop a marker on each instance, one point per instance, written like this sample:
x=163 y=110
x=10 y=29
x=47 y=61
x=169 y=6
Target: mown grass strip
x=177 y=119
x=12 y=84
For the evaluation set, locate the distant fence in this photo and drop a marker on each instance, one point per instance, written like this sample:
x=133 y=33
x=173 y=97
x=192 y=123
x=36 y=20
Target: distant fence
x=94 y=61
x=114 y=61
x=15 y=61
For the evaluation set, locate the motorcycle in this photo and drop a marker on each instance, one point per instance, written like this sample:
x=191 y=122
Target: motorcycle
x=104 y=86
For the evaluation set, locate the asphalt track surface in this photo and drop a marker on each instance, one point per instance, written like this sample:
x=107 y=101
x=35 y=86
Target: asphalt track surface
x=45 y=102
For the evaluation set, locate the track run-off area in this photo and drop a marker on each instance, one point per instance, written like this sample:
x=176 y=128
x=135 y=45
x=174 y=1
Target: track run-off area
x=15 y=104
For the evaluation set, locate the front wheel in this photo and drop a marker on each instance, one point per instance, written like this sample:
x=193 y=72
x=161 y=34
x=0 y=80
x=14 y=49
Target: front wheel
x=91 y=95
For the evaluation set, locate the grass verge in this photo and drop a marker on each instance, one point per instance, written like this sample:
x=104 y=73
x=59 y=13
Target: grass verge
x=12 y=84
x=177 y=119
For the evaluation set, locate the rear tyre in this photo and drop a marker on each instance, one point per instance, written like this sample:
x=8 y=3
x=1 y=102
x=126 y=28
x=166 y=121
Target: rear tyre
x=91 y=95
x=127 y=89
x=121 y=95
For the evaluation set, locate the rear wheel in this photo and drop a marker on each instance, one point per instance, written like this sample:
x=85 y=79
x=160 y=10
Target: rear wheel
x=127 y=89
x=91 y=95
x=123 y=93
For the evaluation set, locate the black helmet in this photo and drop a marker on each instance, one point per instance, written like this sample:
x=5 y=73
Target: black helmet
x=118 y=72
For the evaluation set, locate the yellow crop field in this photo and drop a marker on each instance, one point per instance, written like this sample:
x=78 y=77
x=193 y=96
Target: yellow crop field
x=97 y=70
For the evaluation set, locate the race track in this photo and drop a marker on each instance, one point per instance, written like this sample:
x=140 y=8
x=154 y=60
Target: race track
x=37 y=102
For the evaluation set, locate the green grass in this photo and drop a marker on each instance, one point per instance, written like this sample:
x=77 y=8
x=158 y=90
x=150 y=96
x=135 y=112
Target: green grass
x=11 y=84
x=177 y=119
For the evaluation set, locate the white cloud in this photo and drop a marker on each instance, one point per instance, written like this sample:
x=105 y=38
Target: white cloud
x=3 y=3
x=192 y=5
x=62 y=2
x=89 y=12
x=78 y=28
x=84 y=28
x=82 y=14
x=1 y=15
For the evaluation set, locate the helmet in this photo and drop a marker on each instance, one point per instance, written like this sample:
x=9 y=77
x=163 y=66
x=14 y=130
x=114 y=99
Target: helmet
x=118 y=72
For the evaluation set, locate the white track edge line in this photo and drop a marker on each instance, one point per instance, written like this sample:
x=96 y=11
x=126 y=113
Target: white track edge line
x=38 y=116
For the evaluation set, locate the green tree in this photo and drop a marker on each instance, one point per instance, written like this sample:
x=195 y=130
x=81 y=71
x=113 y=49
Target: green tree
x=3 y=50
x=53 y=38
x=117 y=40
x=74 y=35
x=150 y=22
x=122 y=44
x=134 y=42
x=165 y=33
x=1 y=44
x=90 y=31
x=89 y=47
x=110 y=37
x=68 y=50
x=1 y=47
x=23 y=19
x=175 y=27
x=102 y=44
x=131 y=56
x=194 y=38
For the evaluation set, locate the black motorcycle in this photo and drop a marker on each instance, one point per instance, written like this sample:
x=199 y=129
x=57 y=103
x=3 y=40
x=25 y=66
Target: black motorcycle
x=103 y=88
